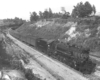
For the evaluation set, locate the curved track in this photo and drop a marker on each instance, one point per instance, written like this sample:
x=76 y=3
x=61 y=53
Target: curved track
x=56 y=69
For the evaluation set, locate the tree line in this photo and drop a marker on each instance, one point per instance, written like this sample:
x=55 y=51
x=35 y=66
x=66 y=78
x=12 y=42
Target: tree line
x=83 y=10
x=13 y=23
x=80 y=10
x=47 y=14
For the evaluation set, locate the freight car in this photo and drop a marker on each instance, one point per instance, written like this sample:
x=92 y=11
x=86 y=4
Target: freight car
x=72 y=55
x=41 y=44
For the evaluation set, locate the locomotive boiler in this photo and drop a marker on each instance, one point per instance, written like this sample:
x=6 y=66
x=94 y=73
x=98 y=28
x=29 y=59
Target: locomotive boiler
x=72 y=55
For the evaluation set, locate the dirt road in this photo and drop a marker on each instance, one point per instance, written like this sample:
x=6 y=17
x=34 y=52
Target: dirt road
x=56 y=69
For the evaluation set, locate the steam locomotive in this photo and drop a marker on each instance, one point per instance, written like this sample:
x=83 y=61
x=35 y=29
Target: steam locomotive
x=72 y=55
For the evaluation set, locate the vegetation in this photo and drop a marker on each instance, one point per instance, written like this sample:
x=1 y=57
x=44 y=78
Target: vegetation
x=80 y=10
x=34 y=17
x=9 y=61
x=83 y=10
x=12 y=23
x=83 y=14
x=54 y=29
x=4 y=57
x=52 y=25
x=48 y=14
x=29 y=75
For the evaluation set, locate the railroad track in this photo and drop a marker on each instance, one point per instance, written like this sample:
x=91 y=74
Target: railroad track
x=56 y=69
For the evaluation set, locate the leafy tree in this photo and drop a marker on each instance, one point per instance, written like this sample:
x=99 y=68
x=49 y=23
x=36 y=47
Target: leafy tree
x=18 y=21
x=78 y=10
x=40 y=15
x=94 y=9
x=50 y=13
x=88 y=8
x=46 y=14
x=57 y=15
x=83 y=10
x=34 y=17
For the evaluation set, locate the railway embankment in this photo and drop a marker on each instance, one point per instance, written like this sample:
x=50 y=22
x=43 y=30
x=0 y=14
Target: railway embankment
x=55 y=68
x=37 y=56
x=14 y=58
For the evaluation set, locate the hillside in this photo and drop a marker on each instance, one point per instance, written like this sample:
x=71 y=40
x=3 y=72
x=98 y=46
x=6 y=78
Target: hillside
x=83 y=31
x=48 y=29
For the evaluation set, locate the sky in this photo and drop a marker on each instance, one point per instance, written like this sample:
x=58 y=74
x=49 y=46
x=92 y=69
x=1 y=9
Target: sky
x=23 y=8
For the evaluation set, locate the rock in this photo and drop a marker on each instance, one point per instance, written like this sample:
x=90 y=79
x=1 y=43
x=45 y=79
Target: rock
x=13 y=75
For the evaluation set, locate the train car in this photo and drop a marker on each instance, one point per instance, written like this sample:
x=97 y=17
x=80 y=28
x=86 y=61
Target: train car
x=41 y=44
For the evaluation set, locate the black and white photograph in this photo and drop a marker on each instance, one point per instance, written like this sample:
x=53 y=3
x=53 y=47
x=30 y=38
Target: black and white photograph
x=49 y=40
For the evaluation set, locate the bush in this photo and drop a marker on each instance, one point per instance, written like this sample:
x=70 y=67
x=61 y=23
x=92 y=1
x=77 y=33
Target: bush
x=30 y=76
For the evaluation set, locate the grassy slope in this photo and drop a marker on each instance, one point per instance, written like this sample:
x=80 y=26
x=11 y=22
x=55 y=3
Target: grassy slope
x=50 y=30
x=55 y=29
